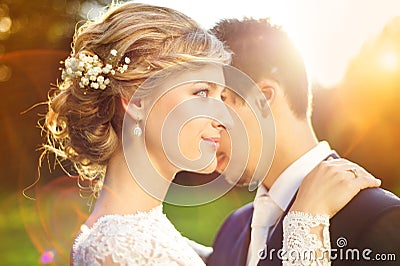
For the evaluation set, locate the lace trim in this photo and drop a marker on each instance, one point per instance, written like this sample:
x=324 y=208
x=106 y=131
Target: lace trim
x=85 y=230
x=145 y=238
x=301 y=246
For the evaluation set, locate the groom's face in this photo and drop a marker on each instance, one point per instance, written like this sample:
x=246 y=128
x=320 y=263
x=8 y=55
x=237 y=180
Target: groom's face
x=249 y=120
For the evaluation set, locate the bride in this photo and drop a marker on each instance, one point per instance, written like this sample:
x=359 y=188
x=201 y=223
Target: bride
x=110 y=59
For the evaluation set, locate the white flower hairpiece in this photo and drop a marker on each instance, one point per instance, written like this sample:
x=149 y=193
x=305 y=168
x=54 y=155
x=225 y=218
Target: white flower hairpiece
x=91 y=70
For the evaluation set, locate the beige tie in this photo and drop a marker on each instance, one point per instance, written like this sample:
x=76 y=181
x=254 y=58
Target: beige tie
x=266 y=213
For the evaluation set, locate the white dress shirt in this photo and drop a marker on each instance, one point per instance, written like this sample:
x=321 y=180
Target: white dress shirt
x=285 y=187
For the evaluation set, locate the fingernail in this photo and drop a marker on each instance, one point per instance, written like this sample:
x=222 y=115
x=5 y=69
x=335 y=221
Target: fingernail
x=253 y=185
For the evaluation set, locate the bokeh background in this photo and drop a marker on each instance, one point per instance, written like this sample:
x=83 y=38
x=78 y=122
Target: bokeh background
x=359 y=115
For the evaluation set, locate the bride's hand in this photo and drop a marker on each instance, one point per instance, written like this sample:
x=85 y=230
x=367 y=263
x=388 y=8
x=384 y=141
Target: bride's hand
x=331 y=185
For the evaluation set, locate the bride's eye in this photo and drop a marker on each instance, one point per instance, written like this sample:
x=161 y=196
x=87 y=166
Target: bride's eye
x=202 y=93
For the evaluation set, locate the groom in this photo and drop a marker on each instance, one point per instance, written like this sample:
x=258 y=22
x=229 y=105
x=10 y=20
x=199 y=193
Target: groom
x=364 y=231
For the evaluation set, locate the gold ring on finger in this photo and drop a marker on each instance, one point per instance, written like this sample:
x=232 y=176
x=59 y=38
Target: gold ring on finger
x=354 y=171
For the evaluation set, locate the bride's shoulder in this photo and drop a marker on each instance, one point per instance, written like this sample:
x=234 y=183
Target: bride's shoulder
x=128 y=225
x=124 y=238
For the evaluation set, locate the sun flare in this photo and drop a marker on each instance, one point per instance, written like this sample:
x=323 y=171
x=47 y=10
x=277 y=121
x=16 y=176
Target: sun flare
x=389 y=60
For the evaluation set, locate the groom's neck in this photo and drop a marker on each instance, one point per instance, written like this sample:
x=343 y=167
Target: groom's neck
x=294 y=138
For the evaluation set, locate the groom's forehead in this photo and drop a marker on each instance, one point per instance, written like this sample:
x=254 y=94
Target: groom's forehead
x=241 y=85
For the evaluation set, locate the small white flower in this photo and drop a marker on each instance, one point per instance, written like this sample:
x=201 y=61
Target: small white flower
x=107 y=69
x=100 y=79
x=97 y=70
x=127 y=60
x=85 y=81
x=103 y=87
x=94 y=85
x=93 y=78
x=63 y=74
x=113 y=52
x=67 y=63
x=112 y=72
x=106 y=81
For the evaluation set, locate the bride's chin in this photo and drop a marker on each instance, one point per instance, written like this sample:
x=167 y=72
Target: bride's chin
x=210 y=168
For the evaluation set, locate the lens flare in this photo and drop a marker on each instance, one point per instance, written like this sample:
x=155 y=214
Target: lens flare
x=47 y=256
x=54 y=219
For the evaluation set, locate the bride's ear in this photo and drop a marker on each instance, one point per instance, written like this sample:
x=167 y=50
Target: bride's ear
x=134 y=108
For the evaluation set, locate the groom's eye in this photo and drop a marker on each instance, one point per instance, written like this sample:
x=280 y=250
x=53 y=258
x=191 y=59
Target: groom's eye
x=232 y=98
x=223 y=96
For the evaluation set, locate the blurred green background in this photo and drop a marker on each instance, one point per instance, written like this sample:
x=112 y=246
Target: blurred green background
x=360 y=117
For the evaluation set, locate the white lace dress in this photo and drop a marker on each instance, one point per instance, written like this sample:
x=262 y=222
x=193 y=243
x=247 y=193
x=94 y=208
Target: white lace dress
x=151 y=239
x=137 y=239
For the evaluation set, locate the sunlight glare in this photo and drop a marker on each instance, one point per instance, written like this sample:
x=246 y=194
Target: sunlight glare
x=388 y=60
x=328 y=34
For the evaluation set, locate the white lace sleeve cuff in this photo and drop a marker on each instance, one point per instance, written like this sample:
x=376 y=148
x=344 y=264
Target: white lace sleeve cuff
x=302 y=241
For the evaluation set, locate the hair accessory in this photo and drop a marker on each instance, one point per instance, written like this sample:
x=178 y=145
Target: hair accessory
x=137 y=131
x=91 y=70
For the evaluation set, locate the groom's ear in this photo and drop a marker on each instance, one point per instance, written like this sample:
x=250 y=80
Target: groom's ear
x=134 y=108
x=270 y=89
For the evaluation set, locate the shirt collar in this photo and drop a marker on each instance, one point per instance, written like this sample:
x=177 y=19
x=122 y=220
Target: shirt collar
x=287 y=184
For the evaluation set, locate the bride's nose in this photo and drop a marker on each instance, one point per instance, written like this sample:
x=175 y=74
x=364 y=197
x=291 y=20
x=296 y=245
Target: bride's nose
x=222 y=117
x=216 y=124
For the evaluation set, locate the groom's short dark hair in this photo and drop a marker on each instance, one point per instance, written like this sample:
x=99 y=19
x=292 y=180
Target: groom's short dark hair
x=262 y=50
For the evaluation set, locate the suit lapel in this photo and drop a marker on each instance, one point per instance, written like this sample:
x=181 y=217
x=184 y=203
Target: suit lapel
x=242 y=245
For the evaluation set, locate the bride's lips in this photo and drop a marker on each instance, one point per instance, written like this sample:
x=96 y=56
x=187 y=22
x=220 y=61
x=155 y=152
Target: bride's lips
x=213 y=141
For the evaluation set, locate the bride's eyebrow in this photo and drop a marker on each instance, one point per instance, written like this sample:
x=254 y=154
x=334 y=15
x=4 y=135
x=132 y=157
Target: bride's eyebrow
x=209 y=85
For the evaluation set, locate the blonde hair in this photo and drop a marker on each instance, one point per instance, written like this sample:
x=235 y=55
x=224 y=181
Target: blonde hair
x=83 y=125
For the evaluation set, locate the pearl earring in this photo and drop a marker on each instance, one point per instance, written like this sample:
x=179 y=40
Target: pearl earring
x=137 y=131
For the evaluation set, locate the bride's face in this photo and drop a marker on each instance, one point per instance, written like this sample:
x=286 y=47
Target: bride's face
x=194 y=136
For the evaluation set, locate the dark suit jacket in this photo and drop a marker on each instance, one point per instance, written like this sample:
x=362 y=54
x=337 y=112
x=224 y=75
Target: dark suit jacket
x=370 y=221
